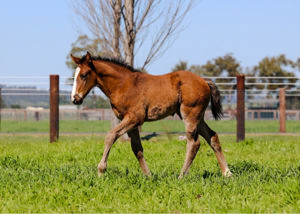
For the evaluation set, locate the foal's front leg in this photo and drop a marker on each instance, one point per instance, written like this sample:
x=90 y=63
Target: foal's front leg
x=126 y=124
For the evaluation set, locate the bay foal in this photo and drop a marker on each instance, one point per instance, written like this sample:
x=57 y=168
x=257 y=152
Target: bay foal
x=137 y=97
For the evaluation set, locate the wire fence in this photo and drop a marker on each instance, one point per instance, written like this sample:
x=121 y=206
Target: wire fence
x=26 y=99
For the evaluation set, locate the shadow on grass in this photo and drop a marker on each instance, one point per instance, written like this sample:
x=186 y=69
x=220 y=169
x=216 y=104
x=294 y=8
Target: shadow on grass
x=149 y=136
x=245 y=166
x=208 y=174
x=169 y=135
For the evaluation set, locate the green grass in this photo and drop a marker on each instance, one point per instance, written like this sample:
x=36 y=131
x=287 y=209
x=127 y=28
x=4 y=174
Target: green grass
x=64 y=126
x=62 y=177
x=223 y=126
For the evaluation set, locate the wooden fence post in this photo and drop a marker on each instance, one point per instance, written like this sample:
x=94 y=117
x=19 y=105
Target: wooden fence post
x=240 y=108
x=54 y=111
x=282 y=110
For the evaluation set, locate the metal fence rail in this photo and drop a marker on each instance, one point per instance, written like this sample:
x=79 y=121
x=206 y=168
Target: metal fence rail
x=261 y=102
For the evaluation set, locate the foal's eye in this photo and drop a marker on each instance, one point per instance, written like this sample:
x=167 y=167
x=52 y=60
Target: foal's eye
x=84 y=76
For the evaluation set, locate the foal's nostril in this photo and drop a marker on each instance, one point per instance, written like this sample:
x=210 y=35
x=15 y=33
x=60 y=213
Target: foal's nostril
x=77 y=100
x=80 y=101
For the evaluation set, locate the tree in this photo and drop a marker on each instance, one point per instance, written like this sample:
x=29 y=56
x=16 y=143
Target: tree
x=80 y=47
x=298 y=63
x=122 y=27
x=278 y=66
x=181 y=66
x=226 y=66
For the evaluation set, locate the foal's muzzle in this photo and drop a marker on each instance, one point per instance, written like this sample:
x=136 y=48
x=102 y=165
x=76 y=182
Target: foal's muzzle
x=77 y=100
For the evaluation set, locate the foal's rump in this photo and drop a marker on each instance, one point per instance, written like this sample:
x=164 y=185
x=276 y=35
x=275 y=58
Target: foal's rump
x=194 y=90
x=168 y=93
x=197 y=91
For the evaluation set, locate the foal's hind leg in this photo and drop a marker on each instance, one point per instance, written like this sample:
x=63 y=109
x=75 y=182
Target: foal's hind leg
x=213 y=140
x=138 y=149
x=192 y=146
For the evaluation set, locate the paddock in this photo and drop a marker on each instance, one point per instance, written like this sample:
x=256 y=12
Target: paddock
x=62 y=177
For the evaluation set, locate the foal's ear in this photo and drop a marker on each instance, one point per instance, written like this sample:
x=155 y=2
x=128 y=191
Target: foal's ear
x=88 y=57
x=89 y=60
x=75 y=59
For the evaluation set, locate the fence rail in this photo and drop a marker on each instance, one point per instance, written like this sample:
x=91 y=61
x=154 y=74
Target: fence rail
x=261 y=99
x=105 y=114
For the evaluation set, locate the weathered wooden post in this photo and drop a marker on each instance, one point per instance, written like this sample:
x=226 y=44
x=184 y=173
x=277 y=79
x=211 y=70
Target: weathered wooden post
x=282 y=110
x=240 y=108
x=54 y=111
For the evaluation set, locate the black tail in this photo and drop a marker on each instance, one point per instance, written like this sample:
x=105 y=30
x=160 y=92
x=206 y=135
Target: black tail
x=216 y=105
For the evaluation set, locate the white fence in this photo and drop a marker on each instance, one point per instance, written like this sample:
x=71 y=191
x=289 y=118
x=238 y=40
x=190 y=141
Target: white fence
x=261 y=103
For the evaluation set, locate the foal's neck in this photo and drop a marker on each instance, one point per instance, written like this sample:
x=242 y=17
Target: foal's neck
x=111 y=77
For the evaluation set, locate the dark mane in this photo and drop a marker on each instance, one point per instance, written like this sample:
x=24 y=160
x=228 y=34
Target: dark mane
x=116 y=61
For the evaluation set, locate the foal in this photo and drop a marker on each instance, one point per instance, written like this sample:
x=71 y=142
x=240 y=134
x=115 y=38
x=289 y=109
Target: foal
x=137 y=97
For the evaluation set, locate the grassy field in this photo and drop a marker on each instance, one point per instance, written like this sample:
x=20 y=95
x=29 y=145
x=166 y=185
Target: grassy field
x=62 y=177
x=223 y=126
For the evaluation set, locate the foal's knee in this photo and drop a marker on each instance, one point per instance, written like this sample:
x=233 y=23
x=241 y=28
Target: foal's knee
x=215 y=143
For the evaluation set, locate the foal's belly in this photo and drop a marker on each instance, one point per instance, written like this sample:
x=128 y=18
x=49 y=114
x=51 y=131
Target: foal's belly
x=160 y=111
x=161 y=98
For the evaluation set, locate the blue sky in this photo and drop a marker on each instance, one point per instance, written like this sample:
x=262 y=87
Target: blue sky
x=36 y=35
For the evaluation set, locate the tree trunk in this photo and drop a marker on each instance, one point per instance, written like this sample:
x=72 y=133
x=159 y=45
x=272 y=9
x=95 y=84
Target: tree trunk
x=116 y=6
x=130 y=32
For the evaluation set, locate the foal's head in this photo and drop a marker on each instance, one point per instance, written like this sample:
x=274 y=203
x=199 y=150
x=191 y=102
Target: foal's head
x=84 y=79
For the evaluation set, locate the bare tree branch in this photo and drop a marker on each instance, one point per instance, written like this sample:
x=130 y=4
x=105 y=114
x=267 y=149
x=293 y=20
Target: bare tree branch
x=139 y=23
x=169 y=29
x=126 y=26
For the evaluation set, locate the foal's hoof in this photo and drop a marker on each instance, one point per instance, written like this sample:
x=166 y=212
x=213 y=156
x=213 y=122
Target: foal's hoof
x=100 y=174
x=180 y=176
x=228 y=174
x=101 y=169
x=147 y=173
